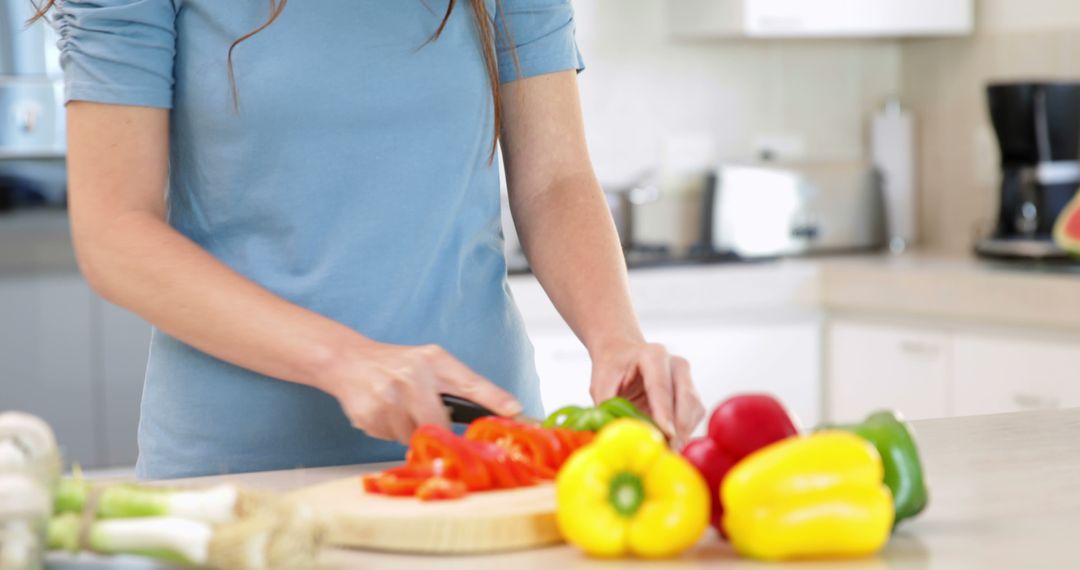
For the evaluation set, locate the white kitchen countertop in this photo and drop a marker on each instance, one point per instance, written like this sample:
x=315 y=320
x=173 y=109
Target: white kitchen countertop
x=1004 y=494
x=912 y=285
x=963 y=288
x=696 y=291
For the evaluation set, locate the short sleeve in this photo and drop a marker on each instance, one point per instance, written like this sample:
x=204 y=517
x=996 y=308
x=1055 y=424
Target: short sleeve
x=117 y=51
x=534 y=37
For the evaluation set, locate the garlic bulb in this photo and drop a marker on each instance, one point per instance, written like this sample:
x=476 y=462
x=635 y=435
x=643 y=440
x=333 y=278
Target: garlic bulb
x=27 y=445
x=25 y=507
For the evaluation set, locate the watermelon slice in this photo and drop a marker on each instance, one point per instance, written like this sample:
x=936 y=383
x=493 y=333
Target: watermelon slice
x=1067 y=227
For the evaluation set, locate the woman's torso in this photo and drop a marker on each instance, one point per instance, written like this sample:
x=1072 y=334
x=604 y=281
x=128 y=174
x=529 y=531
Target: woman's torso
x=353 y=178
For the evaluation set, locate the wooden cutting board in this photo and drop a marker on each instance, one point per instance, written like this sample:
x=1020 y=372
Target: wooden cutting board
x=492 y=521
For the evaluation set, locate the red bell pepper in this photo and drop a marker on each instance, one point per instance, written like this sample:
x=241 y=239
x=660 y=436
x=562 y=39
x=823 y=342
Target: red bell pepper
x=500 y=464
x=543 y=450
x=738 y=427
x=534 y=445
x=495 y=453
x=459 y=461
x=371 y=483
x=573 y=440
x=713 y=463
x=400 y=481
x=441 y=489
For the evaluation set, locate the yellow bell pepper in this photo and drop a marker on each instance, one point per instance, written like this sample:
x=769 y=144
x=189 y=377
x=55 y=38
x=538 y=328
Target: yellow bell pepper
x=814 y=496
x=627 y=493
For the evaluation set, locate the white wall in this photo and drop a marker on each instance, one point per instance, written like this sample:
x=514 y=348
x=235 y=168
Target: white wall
x=944 y=82
x=1027 y=15
x=642 y=87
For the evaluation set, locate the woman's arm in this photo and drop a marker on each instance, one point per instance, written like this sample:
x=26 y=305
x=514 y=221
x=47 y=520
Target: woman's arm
x=118 y=169
x=570 y=240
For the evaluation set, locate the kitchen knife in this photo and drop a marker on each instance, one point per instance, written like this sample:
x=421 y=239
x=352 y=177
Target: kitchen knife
x=463 y=411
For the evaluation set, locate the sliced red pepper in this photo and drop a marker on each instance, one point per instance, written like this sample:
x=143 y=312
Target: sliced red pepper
x=496 y=431
x=549 y=444
x=402 y=481
x=498 y=463
x=524 y=472
x=585 y=438
x=525 y=442
x=495 y=453
x=441 y=489
x=412 y=471
x=574 y=440
x=397 y=486
x=431 y=442
x=489 y=429
x=370 y=483
x=567 y=438
x=545 y=472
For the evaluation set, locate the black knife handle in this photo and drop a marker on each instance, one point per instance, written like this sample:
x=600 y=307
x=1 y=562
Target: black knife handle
x=464 y=411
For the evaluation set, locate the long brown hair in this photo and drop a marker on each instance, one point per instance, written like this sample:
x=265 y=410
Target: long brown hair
x=484 y=26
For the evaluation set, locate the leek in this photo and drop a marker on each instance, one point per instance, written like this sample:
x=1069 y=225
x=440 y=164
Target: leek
x=220 y=504
x=71 y=494
x=214 y=505
x=282 y=537
x=165 y=538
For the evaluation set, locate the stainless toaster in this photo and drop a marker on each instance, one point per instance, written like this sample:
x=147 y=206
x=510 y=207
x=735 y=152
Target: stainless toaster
x=796 y=209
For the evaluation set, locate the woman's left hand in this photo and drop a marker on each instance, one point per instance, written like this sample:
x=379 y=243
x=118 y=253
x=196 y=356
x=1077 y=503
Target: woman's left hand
x=655 y=381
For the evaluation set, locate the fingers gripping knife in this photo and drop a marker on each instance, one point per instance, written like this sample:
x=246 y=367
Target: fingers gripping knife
x=463 y=411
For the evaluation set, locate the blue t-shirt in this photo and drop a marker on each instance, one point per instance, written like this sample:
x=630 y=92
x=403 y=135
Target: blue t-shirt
x=353 y=179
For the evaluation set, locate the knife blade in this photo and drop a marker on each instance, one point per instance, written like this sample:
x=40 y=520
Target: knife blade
x=465 y=411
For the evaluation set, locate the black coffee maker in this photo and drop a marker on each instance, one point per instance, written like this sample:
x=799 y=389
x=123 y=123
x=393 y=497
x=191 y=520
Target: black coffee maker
x=1038 y=130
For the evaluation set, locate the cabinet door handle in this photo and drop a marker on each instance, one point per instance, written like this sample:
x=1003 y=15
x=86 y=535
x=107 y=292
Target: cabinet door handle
x=1029 y=401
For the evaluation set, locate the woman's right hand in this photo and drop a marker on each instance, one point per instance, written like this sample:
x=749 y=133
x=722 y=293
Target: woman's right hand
x=389 y=390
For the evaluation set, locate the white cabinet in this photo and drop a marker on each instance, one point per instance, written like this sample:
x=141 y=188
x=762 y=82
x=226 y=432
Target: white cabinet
x=821 y=18
x=995 y=374
x=871 y=367
x=947 y=370
x=564 y=368
x=124 y=345
x=48 y=358
x=781 y=358
x=743 y=328
x=73 y=359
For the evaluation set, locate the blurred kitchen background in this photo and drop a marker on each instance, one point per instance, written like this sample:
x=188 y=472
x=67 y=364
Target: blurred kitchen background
x=811 y=193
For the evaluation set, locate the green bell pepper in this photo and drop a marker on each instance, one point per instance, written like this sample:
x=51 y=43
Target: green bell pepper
x=578 y=418
x=589 y=419
x=893 y=438
x=622 y=408
x=561 y=416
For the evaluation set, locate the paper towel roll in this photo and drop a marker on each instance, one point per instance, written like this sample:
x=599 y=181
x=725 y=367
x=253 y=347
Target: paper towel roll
x=893 y=149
